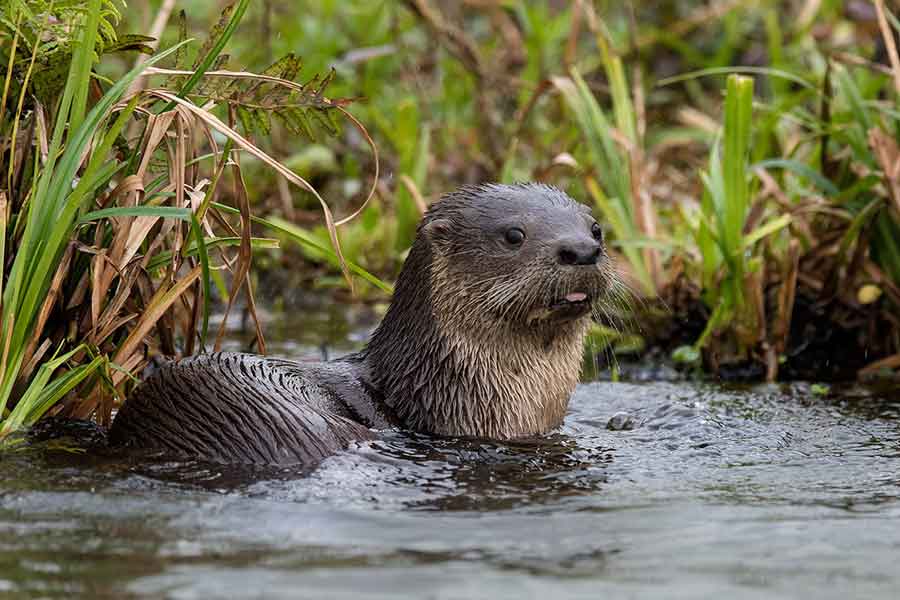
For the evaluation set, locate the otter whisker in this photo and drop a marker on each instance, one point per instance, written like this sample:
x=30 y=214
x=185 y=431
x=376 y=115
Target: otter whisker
x=599 y=313
x=623 y=299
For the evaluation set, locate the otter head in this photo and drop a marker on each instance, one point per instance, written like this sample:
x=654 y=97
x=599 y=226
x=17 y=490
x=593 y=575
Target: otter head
x=484 y=335
x=525 y=258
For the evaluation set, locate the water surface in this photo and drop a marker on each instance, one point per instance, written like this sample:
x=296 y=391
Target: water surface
x=743 y=492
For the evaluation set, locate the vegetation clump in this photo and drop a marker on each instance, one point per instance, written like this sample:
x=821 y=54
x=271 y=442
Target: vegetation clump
x=113 y=236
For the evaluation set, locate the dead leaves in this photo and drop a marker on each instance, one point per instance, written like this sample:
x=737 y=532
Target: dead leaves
x=133 y=288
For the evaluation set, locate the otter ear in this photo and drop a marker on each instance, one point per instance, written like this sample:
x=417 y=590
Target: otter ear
x=437 y=230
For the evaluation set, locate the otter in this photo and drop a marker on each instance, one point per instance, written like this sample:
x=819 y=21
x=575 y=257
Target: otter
x=483 y=338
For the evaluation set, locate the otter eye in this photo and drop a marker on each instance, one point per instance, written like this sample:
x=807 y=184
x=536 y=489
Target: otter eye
x=597 y=231
x=515 y=236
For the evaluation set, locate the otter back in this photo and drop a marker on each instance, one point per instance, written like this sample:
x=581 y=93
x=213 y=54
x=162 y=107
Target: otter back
x=239 y=408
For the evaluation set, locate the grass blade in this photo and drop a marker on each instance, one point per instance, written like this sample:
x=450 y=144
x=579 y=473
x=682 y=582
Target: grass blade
x=205 y=277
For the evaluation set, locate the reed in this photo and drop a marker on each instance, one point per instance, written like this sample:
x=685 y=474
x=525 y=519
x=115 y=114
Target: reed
x=111 y=236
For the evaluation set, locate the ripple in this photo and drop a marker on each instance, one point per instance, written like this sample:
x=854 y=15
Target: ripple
x=714 y=490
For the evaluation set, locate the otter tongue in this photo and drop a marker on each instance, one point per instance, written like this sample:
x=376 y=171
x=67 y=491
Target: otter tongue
x=576 y=297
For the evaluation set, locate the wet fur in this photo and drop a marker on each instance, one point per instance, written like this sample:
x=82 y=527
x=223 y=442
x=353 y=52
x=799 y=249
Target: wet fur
x=468 y=347
x=241 y=408
x=481 y=365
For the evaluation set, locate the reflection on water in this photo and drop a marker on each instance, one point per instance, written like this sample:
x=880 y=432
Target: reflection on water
x=765 y=491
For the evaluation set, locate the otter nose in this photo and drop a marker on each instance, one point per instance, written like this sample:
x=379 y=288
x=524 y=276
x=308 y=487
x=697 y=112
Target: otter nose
x=581 y=252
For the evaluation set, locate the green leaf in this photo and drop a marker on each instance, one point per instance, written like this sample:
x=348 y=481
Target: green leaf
x=51 y=217
x=733 y=70
x=164 y=257
x=820 y=389
x=286 y=67
x=169 y=212
x=298 y=235
x=205 y=278
x=82 y=62
x=766 y=230
x=131 y=42
x=738 y=115
x=41 y=393
x=686 y=355
x=802 y=170
x=213 y=46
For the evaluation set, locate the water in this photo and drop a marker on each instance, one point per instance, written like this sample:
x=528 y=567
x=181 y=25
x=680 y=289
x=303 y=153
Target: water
x=743 y=492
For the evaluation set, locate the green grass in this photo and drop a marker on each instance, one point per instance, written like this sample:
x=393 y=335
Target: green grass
x=77 y=243
x=612 y=164
x=727 y=251
x=49 y=220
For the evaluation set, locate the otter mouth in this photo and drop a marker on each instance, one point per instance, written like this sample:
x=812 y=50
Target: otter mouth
x=572 y=305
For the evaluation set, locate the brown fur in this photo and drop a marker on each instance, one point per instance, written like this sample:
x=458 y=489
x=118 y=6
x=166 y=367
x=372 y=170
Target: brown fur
x=469 y=347
x=478 y=341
